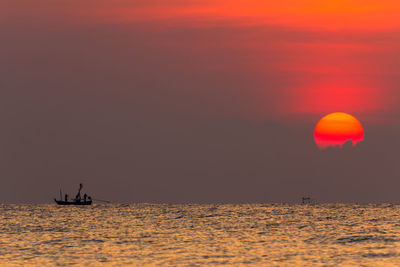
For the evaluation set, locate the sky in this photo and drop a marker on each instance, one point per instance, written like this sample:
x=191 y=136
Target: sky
x=188 y=101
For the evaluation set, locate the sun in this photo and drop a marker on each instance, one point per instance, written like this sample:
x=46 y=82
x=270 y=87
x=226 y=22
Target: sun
x=336 y=128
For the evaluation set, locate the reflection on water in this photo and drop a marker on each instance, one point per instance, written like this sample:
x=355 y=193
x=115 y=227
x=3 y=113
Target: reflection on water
x=200 y=234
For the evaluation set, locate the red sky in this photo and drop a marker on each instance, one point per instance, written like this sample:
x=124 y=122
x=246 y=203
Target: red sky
x=334 y=54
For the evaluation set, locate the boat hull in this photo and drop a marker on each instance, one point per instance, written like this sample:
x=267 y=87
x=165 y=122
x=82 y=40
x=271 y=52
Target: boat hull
x=74 y=203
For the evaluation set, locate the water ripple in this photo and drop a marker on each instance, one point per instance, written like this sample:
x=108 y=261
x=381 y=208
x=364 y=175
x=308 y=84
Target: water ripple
x=197 y=235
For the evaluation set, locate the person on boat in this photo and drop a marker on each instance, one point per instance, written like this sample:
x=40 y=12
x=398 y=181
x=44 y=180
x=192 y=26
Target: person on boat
x=85 y=197
x=66 y=197
x=78 y=196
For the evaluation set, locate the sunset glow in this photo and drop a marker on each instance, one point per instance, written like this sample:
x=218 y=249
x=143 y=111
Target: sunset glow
x=212 y=132
x=332 y=15
x=337 y=128
x=288 y=58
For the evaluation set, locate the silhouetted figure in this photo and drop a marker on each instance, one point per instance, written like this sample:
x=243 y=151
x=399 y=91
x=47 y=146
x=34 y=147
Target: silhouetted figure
x=78 y=196
x=66 y=197
x=84 y=197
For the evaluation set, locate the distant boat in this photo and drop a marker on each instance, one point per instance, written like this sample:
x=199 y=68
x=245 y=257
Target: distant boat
x=307 y=200
x=78 y=201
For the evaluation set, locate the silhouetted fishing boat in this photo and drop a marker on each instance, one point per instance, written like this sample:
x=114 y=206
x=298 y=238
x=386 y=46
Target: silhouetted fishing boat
x=87 y=200
x=61 y=202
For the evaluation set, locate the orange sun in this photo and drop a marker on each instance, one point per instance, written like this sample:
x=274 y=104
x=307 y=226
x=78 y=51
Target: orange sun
x=336 y=128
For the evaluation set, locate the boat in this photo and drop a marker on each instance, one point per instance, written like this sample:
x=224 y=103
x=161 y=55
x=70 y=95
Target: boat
x=77 y=201
x=61 y=202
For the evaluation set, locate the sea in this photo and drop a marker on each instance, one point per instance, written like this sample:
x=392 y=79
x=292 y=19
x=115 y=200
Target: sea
x=200 y=235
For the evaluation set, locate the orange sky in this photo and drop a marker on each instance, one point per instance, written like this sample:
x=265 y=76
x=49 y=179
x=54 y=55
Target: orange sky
x=327 y=55
x=333 y=15
x=337 y=64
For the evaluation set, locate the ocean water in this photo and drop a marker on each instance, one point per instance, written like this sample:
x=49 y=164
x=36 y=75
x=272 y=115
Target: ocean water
x=198 y=235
